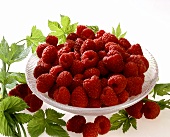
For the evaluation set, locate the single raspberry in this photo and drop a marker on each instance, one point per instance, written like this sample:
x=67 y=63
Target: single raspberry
x=151 y=110
x=79 y=29
x=64 y=79
x=88 y=44
x=124 y=43
x=88 y=73
x=76 y=123
x=23 y=90
x=70 y=43
x=104 y=82
x=77 y=67
x=123 y=96
x=108 y=44
x=101 y=54
x=108 y=37
x=63 y=50
x=78 y=44
x=62 y=95
x=99 y=33
x=52 y=40
x=72 y=36
x=94 y=103
x=89 y=59
x=93 y=87
x=146 y=62
x=87 y=33
x=79 y=97
x=66 y=60
x=130 y=69
x=49 y=54
x=44 y=82
x=40 y=48
x=135 y=50
x=33 y=102
x=55 y=70
x=90 y=130
x=14 y=92
x=135 y=110
x=59 y=46
x=134 y=85
x=102 y=68
x=77 y=55
x=52 y=90
x=103 y=124
x=100 y=45
x=38 y=70
x=108 y=97
x=45 y=65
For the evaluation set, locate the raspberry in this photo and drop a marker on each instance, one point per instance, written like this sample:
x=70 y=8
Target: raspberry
x=103 y=124
x=69 y=43
x=87 y=34
x=99 y=33
x=33 y=102
x=93 y=87
x=108 y=44
x=52 y=90
x=77 y=67
x=44 y=82
x=94 y=103
x=40 y=48
x=103 y=70
x=123 y=96
x=55 y=70
x=62 y=95
x=134 y=85
x=130 y=69
x=89 y=59
x=52 y=40
x=66 y=60
x=100 y=45
x=14 y=92
x=135 y=110
x=101 y=54
x=124 y=43
x=151 y=110
x=45 y=65
x=88 y=73
x=87 y=45
x=23 y=90
x=108 y=37
x=38 y=70
x=77 y=55
x=145 y=62
x=76 y=124
x=72 y=36
x=78 y=44
x=79 y=97
x=79 y=30
x=90 y=130
x=64 y=79
x=135 y=50
x=108 y=97
x=59 y=46
x=49 y=54
x=63 y=50
x=104 y=82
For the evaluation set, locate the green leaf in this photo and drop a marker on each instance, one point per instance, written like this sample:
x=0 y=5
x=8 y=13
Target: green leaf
x=164 y=104
x=4 y=50
x=126 y=125
x=116 y=125
x=17 y=76
x=93 y=28
x=71 y=28
x=162 y=89
x=118 y=30
x=122 y=35
x=53 y=25
x=133 y=122
x=22 y=117
x=2 y=76
x=113 y=31
x=65 y=21
x=117 y=117
x=59 y=32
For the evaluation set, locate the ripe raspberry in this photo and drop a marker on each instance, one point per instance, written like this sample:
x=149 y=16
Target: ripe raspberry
x=134 y=86
x=90 y=130
x=123 y=96
x=45 y=65
x=77 y=55
x=135 y=50
x=66 y=60
x=72 y=36
x=87 y=45
x=108 y=97
x=64 y=79
x=101 y=54
x=99 y=33
x=102 y=68
x=59 y=46
x=79 y=97
x=76 y=124
x=89 y=59
x=52 y=40
x=88 y=73
x=79 y=30
x=104 y=82
x=93 y=87
x=135 y=110
x=151 y=110
x=103 y=124
x=44 y=82
x=23 y=90
x=124 y=43
x=63 y=50
x=52 y=90
x=40 y=48
x=78 y=44
x=69 y=43
x=14 y=92
x=87 y=33
x=94 y=103
x=108 y=44
x=108 y=37
x=77 y=67
x=100 y=45
x=38 y=70
x=33 y=102
x=62 y=95
x=49 y=54
x=130 y=69
x=55 y=70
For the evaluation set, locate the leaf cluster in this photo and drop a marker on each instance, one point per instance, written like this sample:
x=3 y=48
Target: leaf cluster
x=118 y=32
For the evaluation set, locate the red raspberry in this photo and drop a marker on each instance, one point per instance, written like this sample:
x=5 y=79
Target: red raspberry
x=44 y=82
x=63 y=50
x=77 y=67
x=40 y=48
x=49 y=54
x=101 y=54
x=59 y=46
x=102 y=68
x=72 y=36
x=100 y=45
x=33 y=102
x=104 y=82
x=99 y=33
x=45 y=65
x=135 y=110
x=79 y=97
x=87 y=45
x=90 y=130
x=55 y=70
x=108 y=44
x=146 y=62
x=88 y=73
x=134 y=85
x=64 y=79
x=23 y=90
x=38 y=70
x=78 y=44
x=103 y=124
x=76 y=124
x=66 y=60
x=52 y=40
x=77 y=55
x=108 y=97
x=124 y=43
x=89 y=59
x=108 y=37
x=130 y=69
x=93 y=87
x=135 y=50
x=52 y=90
x=14 y=92
x=79 y=30
x=94 y=103
x=87 y=33
x=123 y=96
x=62 y=95
x=151 y=110
x=69 y=43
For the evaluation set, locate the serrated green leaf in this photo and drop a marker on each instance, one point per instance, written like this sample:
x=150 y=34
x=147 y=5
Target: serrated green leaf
x=53 y=25
x=117 y=117
x=116 y=125
x=71 y=28
x=122 y=35
x=162 y=89
x=65 y=21
x=123 y=112
x=20 y=77
x=133 y=123
x=164 y=104
x=113 y=31
x=126 y=126
x=52 y=113
x=62 y=39
x=93 y=28
x=4 y=50
x=118 y=30
x=22 y=117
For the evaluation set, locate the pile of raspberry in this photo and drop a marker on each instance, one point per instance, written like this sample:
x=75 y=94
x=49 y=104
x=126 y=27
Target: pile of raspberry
x=90 y=70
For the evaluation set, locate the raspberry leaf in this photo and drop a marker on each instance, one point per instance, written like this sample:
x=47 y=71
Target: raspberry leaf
x=113 y=31
x=126 y=125
x=22 y=117
x=4 y=50
x=164 y=104
x=71 y=28
x=93 y=28
x=53 y=25
x=118 y=30
x=65 y=21
x=133 y=122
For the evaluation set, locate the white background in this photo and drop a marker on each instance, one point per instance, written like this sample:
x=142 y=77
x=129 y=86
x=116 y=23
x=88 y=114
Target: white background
x=146 y=23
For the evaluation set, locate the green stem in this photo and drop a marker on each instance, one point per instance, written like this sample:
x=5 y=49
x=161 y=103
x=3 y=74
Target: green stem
x=3 y=88
x=23 y=129
x=20 y=41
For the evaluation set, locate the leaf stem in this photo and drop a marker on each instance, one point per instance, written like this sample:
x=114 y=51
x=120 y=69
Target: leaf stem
x=20 y=41
x=3 y=88
x=23 y=129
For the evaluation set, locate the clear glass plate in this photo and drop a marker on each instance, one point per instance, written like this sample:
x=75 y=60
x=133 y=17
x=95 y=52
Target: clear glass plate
x=151 y=77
